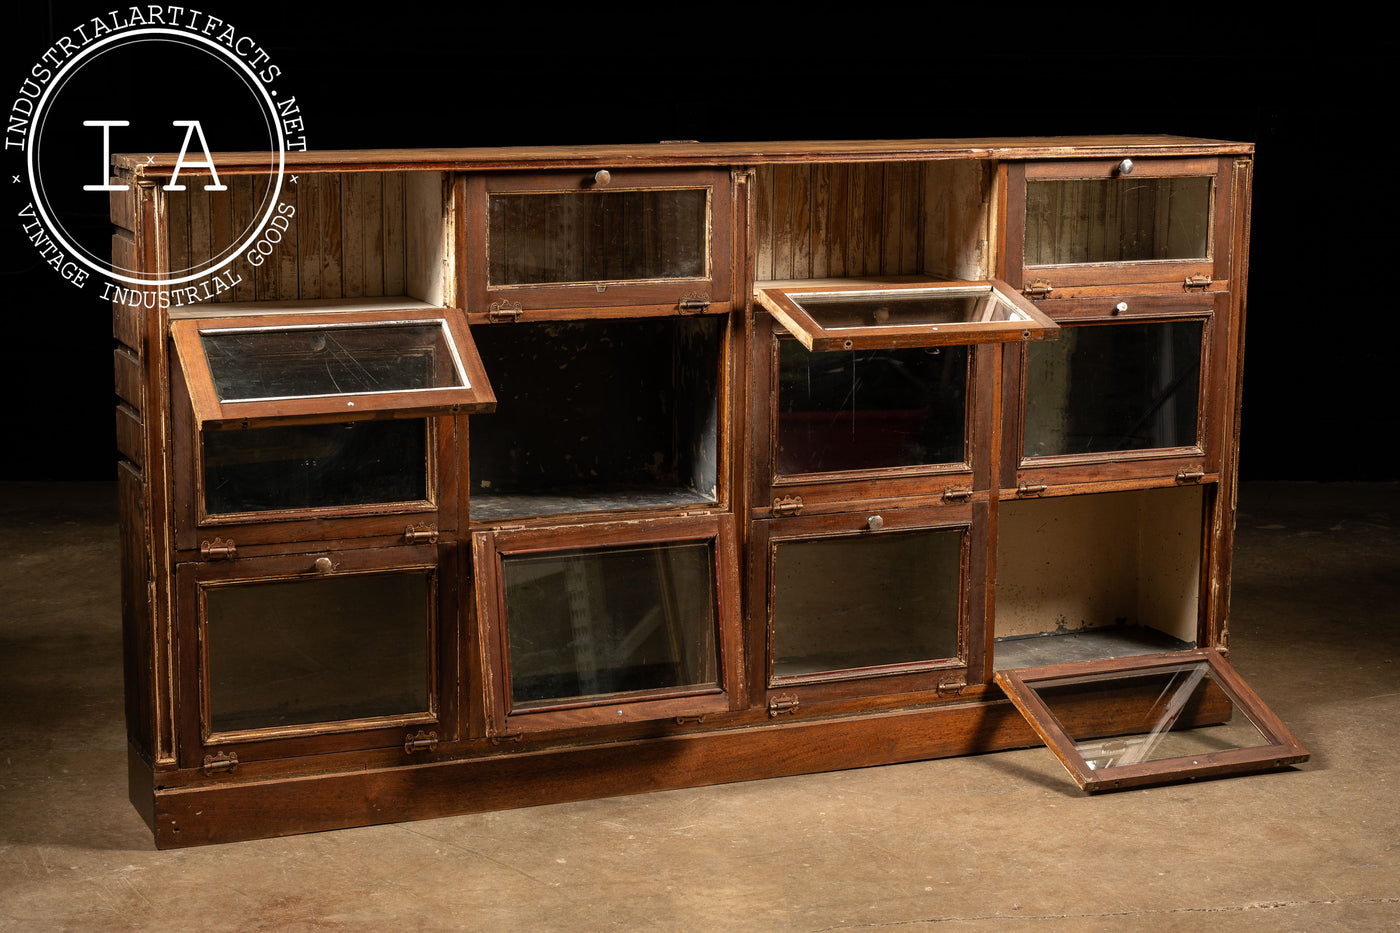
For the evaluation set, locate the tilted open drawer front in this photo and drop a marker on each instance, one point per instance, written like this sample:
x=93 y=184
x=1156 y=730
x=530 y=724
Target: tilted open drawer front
x=849 y=317
x=1152 y=719
x=284 y=369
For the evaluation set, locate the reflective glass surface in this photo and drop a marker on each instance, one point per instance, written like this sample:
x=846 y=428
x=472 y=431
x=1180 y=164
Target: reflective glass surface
x=1168 y=703
x=315 y=465
x=286 y=653
x=1123 y=219
x=605 y=621
x=314 y=361
x=865 y=601
x=556 y=238
x=906 y=308
x=870 y=409
x=1114 y=387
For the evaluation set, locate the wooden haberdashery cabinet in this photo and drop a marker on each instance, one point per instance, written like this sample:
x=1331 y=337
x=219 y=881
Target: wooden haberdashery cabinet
x=522 y=476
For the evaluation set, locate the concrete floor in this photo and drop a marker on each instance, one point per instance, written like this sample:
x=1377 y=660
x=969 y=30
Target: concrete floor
x=999 y=842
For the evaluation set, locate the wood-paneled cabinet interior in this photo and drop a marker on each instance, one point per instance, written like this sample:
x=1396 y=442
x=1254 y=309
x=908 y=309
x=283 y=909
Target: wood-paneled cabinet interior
x=523 y=475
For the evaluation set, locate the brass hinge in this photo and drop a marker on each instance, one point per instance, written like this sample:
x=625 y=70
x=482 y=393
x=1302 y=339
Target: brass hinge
x=697 y=303
x=421 y=533
x=787 y=703
x=1190 y=476
x=504 y=311
x=1031 y=489
x=1197 y=281
x=956 y=493
x=421 y=742
x=222 y=763
x=787 y=505
x=218 y=549
x=952 y=685
x=1038 y=290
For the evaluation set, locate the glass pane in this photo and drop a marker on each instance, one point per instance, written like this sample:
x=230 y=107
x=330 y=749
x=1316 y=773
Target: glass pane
x=315 y=466
x=598 y=236
x=306 y=651
x=1114 y=387
x=855 y=602
x=870 y=409
x=598 y=415
x=907 y=308
x=595 y=622
x=313 y=361
x=1165 y=704
x=1123 y=219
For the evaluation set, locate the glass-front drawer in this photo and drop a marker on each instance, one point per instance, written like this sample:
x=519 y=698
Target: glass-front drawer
x=654 y=242
x=608 y=624
x=1120 y=221
x=867 y=603
x=1133 y=387
x=336 y=649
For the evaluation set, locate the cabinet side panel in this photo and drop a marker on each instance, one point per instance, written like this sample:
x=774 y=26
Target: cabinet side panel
x=138 y=647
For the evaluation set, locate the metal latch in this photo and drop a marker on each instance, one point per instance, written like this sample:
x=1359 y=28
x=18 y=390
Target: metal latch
x=421 y=533
x=1197 y=281
x=956 y=493
x=504 y=312
x=787 y=703
x=787 y=505
x=952 y=685
x=222 y=763
x=1038 y=290
x=218 y=549
x=422 y=742
x=697 y=303
x=1031 y=489
x=1190 y=476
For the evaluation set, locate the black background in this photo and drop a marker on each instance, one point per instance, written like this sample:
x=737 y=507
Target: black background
x=1317 y=99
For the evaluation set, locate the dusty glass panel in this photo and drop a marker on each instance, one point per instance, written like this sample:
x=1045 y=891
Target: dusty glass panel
x=315 y=466
x=556 y=238
x=870 y=409
x=288 y=653
x=867 y=601
x=322 y=360
x=607 y=621
x=1123 y=219
x=1114 y=387
x=907 y=308
x=598 y=415
x=1177 y=711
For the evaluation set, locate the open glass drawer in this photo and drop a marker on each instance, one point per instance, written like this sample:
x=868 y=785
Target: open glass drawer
x=284 y=369
x=850 y=317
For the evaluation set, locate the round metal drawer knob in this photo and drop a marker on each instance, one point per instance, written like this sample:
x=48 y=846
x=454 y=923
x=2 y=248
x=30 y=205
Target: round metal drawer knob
x=602 y=176
x=1125 y=167
x=1120 y=307
x=874 y=523
x=323 y=565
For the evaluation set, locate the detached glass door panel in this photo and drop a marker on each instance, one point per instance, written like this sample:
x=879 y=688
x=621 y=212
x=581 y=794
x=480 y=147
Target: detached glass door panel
x=1151 y=720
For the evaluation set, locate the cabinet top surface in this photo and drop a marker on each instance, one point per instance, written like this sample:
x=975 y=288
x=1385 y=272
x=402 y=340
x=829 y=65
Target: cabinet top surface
x=689 y=153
